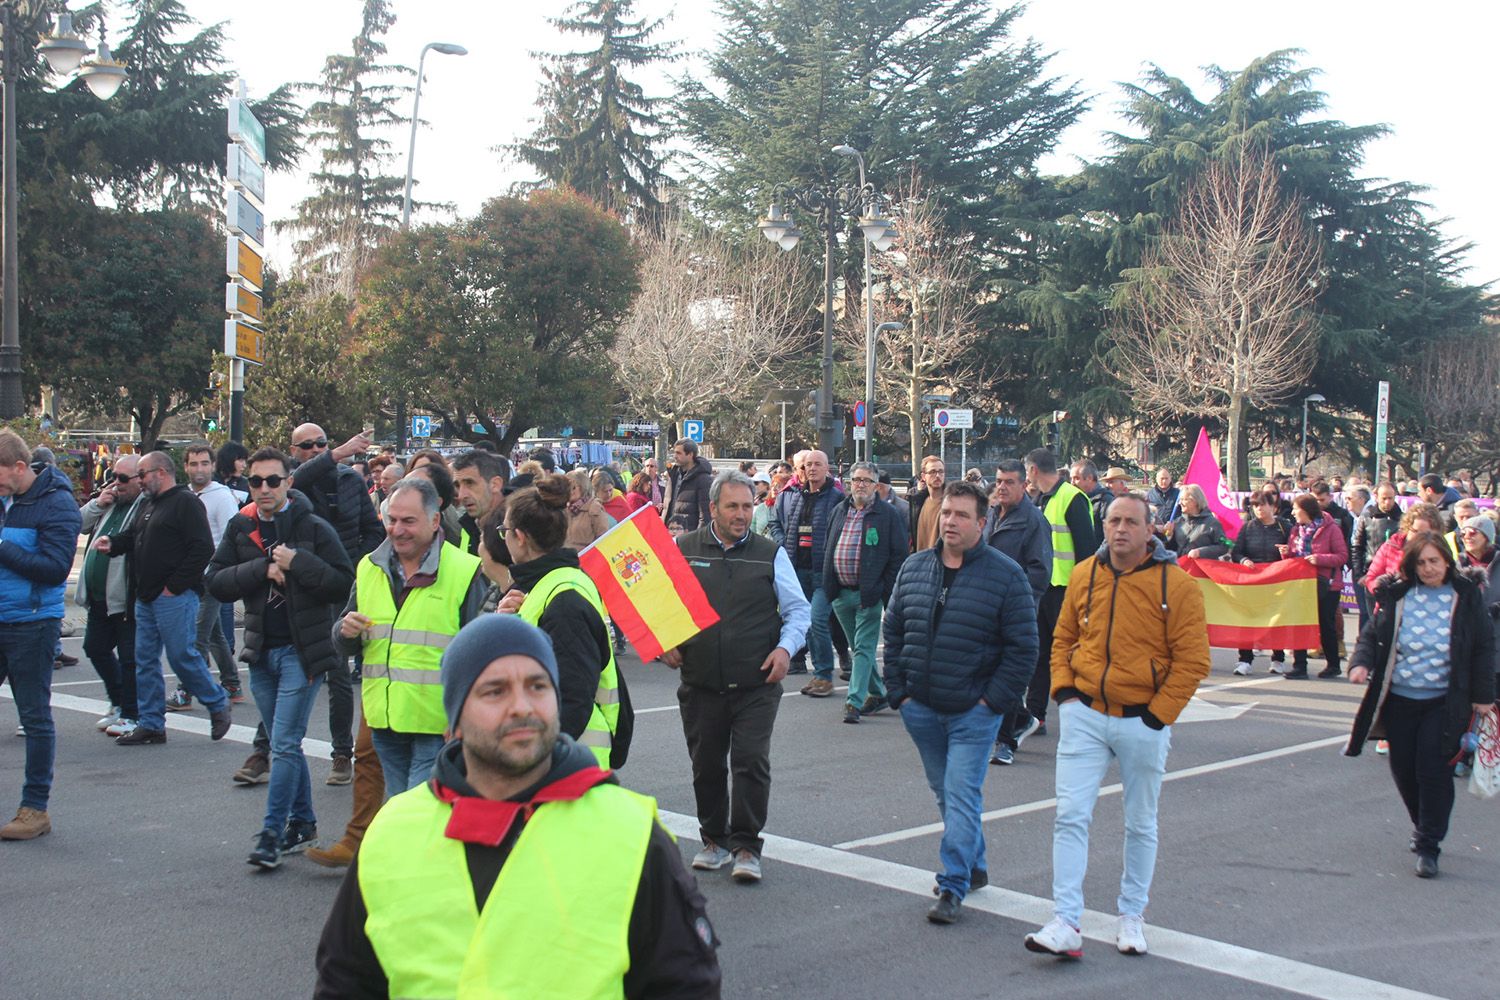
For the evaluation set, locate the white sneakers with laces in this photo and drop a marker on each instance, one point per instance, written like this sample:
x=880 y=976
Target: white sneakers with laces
x=109 y=718
x=711 y=858
x=1058 y=938
x=124 y=727
x=1131 y=937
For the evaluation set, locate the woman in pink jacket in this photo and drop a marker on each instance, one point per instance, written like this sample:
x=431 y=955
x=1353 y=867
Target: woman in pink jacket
x=1419 y=517
x=1319 y=539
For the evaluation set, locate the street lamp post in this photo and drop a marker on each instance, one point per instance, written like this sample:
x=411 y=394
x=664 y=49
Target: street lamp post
x=1302 y=455
x=830 y=204
x=64 y=52
x=442 y=48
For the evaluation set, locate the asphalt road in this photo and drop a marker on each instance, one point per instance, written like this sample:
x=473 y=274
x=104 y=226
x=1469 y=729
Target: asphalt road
x=1283 y=868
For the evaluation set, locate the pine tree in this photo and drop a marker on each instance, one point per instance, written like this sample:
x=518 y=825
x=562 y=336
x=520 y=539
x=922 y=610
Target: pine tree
x=354 y=204
x=598 y=129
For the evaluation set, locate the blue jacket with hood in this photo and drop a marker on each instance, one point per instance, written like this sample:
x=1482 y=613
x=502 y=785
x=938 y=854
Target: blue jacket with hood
x=38 y=540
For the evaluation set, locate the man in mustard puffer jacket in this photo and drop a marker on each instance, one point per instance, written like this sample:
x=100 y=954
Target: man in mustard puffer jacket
x=1131 y=647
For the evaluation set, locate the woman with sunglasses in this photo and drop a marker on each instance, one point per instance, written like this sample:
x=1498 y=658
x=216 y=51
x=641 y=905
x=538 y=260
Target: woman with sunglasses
x=1262 y=539
x=549 y=590
x=1429 y=657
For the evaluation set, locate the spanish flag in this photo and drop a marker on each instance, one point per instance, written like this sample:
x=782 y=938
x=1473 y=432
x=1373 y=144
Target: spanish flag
x=1265 y=606
x=647 y=587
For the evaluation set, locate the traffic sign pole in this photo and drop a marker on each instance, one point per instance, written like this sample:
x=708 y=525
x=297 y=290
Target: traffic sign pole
x=245 y=194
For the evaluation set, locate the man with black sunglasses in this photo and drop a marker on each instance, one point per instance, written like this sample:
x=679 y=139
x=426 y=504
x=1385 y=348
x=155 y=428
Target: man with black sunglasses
x=172 y=545
x=337 y=494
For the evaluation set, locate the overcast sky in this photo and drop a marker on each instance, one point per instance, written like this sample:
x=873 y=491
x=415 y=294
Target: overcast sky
x=1428 y=71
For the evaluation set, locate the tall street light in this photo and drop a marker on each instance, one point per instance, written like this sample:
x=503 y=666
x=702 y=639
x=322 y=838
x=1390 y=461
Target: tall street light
x=64 y=52
x=446 y=49
x=881 y=242
x=1302 y=455
x=831 y=204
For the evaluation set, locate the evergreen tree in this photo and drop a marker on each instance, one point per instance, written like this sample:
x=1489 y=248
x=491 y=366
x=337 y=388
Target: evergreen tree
x=354 y=204
x=598 y=129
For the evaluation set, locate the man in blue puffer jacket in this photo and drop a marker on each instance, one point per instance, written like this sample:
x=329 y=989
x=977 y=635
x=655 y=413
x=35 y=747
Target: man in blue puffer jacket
x=960 y=648
x=38 y=538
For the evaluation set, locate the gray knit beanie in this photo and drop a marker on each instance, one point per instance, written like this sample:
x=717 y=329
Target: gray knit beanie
x=480 y=643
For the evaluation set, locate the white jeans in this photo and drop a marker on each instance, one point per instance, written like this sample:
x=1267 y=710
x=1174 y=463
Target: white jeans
x=1088 y=742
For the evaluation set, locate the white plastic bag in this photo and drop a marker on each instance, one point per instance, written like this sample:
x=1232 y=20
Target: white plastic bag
x=1484 y=778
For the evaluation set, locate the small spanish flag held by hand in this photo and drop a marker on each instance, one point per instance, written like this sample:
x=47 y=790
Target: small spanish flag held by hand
x=647 y=586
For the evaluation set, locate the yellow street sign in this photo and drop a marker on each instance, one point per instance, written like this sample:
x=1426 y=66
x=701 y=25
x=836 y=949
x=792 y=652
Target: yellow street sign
x=239 y=299
x=242 y=262
x=243 y=341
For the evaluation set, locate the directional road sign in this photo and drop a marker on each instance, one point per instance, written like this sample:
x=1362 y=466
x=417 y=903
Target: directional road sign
x=246 y=129
x=244 y=218
x=242 y=261
x=243 y=172
x=1382 y=415
x=241 y=300
x=243 y=341
x=693 y=430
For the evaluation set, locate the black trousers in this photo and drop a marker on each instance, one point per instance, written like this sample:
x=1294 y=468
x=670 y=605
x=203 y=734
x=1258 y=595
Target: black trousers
x=1423 y=775
x=730 y=732
x=340 y=714
x=109 y=643
x=1328 y=629
x=1041 y=682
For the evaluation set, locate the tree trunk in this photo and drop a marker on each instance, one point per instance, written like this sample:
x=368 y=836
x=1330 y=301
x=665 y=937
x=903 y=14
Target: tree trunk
x=513 y=429
x=1237 y=459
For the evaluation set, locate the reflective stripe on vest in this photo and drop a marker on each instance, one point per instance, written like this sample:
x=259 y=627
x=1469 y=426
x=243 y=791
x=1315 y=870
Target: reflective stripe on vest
x=1056 y=513
x=401 y=687
x=605 y=716
x=555 y=925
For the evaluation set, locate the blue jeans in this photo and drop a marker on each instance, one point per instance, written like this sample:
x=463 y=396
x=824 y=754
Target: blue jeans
x=1089 y=741
x=405 y=758
x=210 y=640
x=26 y=661
x=955 y=752
x=170 y=623
x=819 y=641
x=862 y=626
x=285 y=698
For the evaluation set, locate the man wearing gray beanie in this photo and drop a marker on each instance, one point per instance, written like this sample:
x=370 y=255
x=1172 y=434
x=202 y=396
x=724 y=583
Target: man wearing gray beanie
x=587 y=865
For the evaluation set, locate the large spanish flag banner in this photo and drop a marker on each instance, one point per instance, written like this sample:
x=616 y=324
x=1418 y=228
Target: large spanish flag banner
x=1266 y=606
x=647 y=586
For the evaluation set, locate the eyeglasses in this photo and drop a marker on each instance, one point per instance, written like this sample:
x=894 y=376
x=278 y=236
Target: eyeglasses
x=863 y=479
x=312 y=443
x=256 y=482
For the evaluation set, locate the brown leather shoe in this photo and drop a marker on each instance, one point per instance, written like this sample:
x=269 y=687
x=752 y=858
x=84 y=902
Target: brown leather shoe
x=29 y=824
x=337 y=855
x=818 y=688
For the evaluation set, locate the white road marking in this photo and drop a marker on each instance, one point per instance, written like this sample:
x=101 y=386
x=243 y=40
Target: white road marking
x=1186 y=949
x=1192 y=950
x=1115 y=789
x=1198 y=710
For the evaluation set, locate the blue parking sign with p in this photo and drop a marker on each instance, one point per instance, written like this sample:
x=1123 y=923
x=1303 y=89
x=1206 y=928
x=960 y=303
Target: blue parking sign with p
x=421 y=426
x=693 y=430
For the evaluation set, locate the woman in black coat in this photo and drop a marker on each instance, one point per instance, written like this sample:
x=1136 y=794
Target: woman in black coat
x=1429 y=654
x=1262 y=539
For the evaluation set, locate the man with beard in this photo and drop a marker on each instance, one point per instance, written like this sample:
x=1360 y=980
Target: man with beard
x=594 y=899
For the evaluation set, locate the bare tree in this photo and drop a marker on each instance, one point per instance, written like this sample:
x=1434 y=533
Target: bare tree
x=926 y=282
x=1456 y=380
x=1218 y=318
x=711 y=320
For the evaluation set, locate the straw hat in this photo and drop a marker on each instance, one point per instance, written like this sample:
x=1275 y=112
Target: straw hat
x=1114 y=473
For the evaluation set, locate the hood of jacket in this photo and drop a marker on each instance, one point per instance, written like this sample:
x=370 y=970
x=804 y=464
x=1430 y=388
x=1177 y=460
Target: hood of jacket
x=48 y=480
x=477 y=820
x=528 y=574
x=1158 y=553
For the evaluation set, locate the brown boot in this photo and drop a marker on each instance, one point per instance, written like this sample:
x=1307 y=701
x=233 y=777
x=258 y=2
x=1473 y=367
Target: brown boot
x=369 y=786
x=29 y=824
x=336 y=856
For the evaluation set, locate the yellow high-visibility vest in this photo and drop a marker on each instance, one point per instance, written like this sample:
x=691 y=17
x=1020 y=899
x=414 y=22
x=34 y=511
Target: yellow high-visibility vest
x=598 y=735
x=401 y=687
x=1056 y=511
x=556 y=925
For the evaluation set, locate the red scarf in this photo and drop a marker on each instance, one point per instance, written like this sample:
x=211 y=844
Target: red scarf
x=485 y=821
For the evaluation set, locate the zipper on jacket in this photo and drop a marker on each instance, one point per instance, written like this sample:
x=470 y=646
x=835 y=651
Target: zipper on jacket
x=1109 y=635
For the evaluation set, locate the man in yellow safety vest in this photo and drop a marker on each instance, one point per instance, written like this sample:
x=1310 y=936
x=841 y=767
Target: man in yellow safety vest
x=1075 y=536
x=522 y=869
x=410 y=598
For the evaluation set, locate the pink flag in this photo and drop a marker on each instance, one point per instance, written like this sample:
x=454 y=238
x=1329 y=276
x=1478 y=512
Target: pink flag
x=1203 y=471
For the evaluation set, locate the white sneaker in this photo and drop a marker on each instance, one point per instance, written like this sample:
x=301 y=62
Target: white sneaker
x=122 y=728
x=1279 y=667
x=1031 y=726
x=20 y=730
x=1242 y=669
x=110 y=719
x=1131 y=937
x=1058 y=938
x=711 y=858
